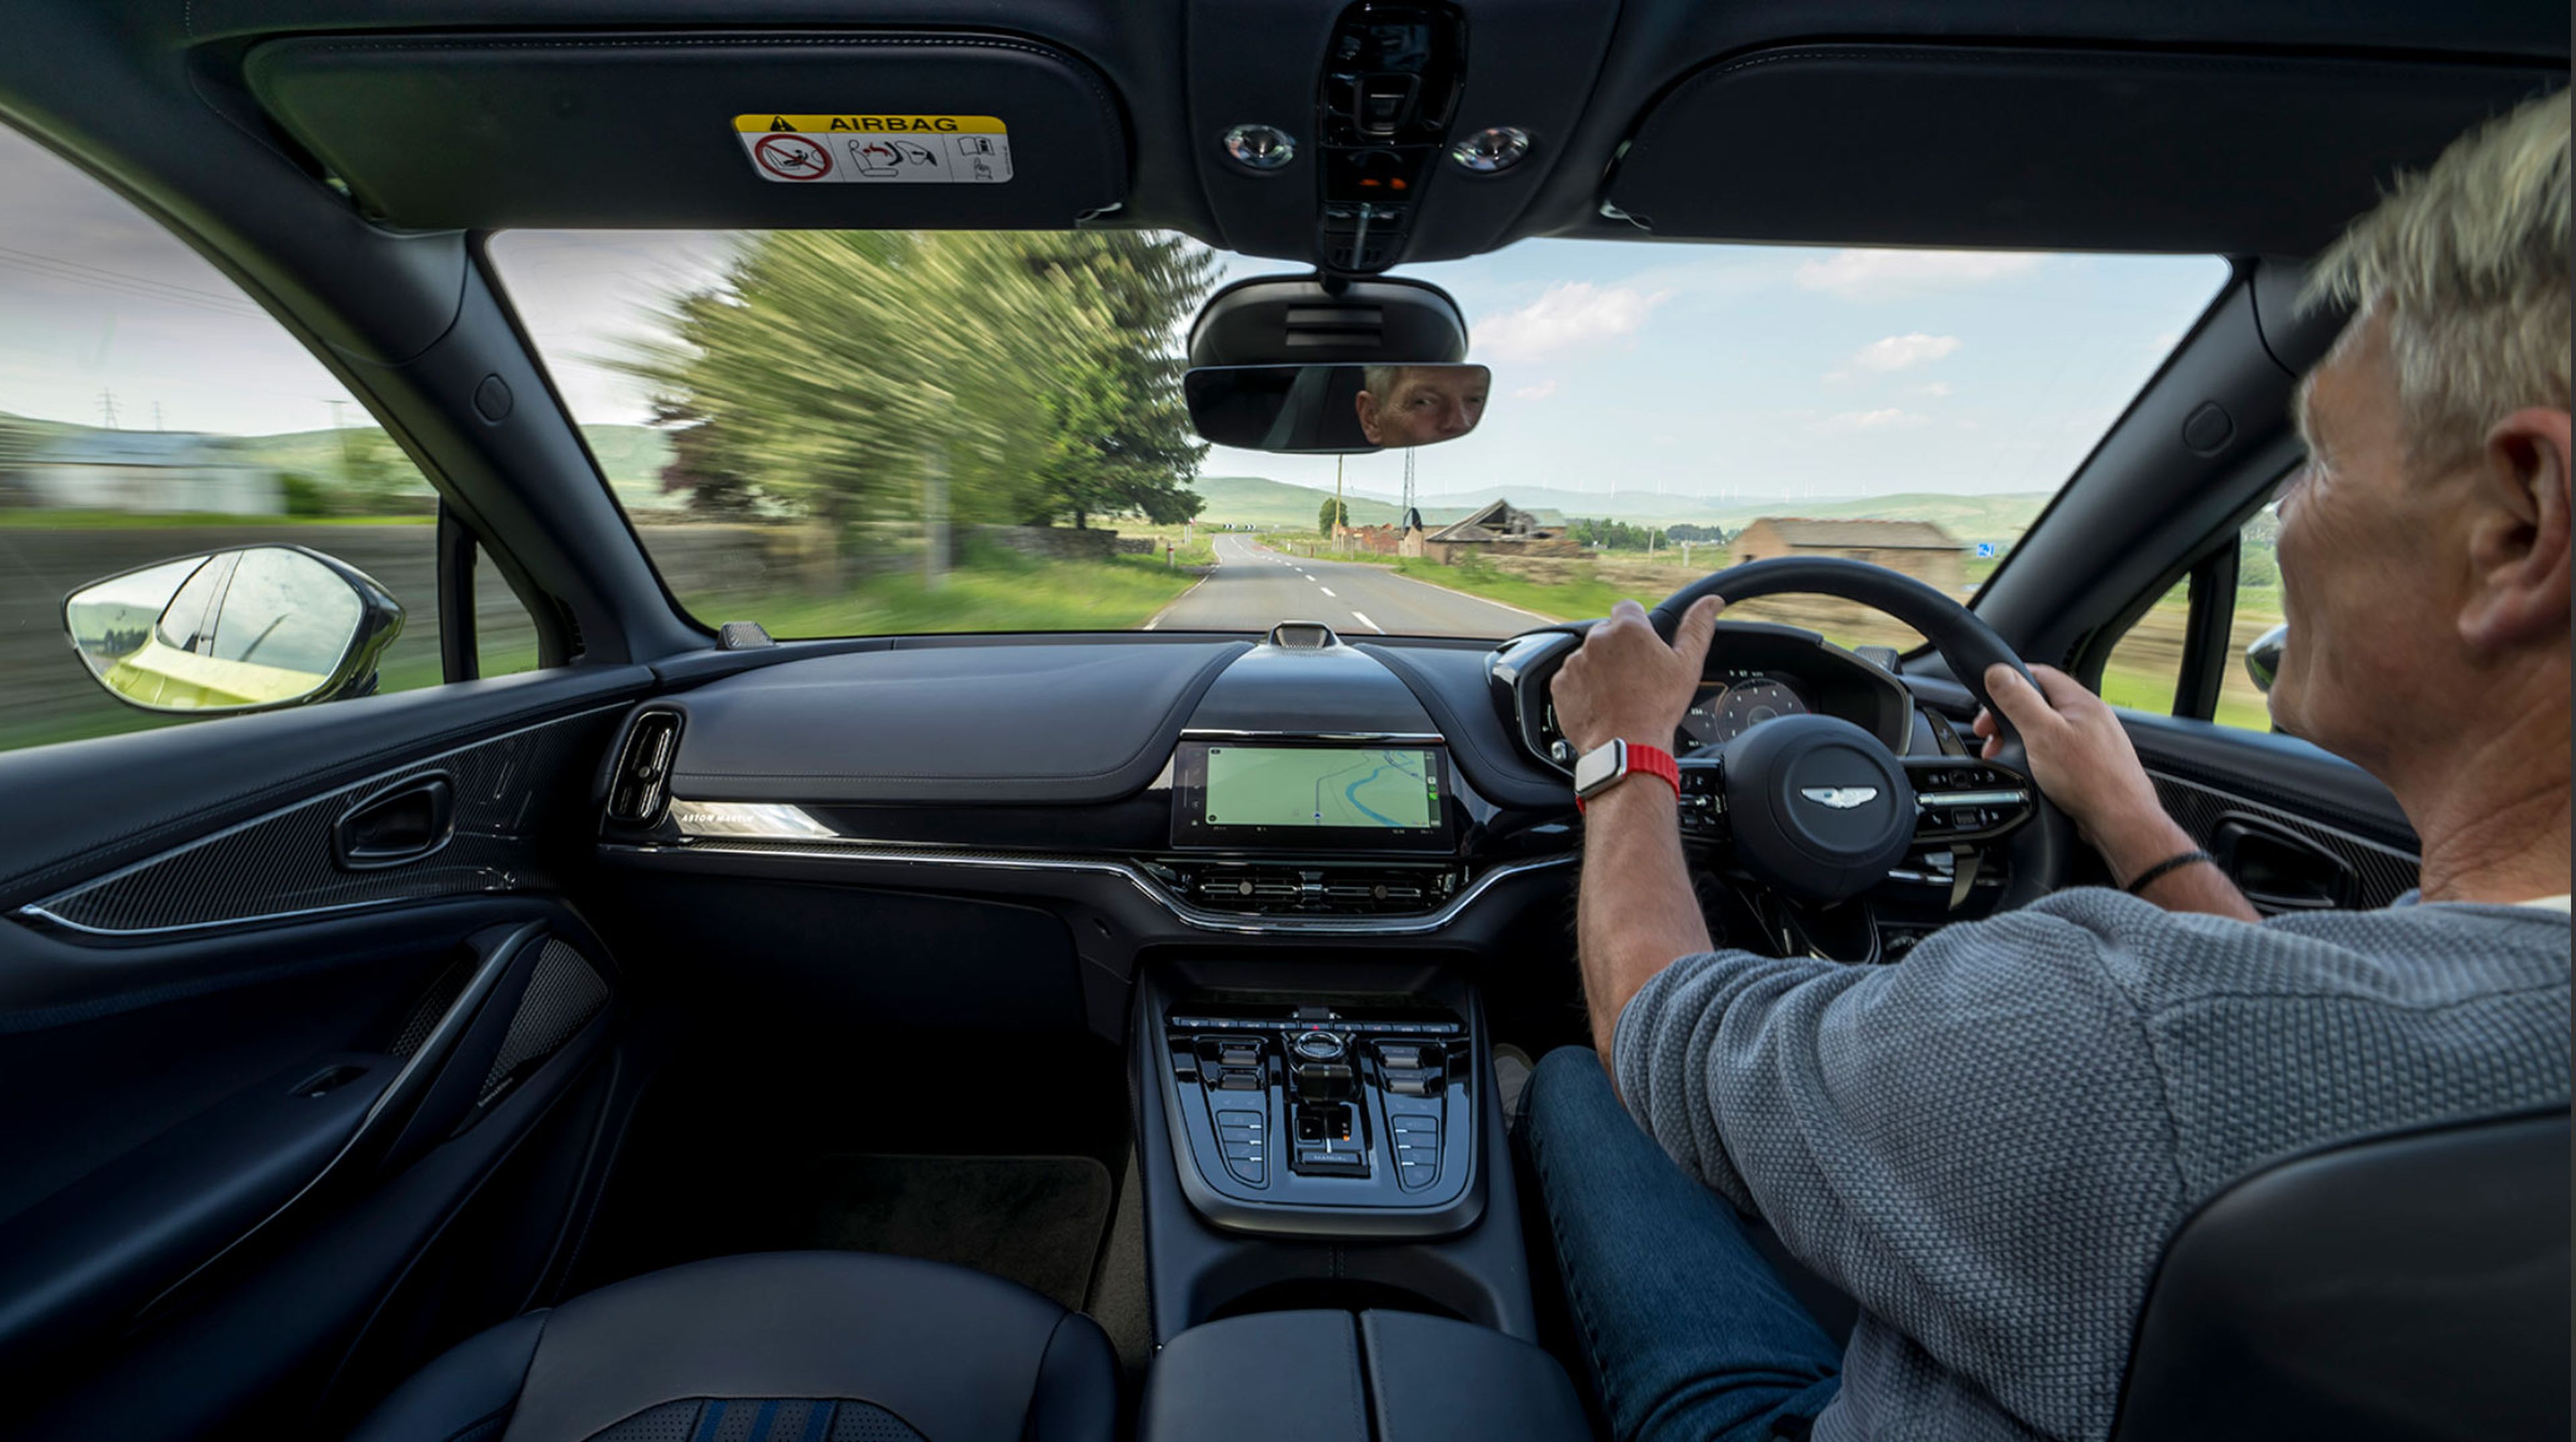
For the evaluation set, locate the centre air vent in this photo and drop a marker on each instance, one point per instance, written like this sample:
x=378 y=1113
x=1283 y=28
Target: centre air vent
x=640 y=787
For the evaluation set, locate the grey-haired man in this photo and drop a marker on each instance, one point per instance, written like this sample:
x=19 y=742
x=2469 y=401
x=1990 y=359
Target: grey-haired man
x=1988 y=1145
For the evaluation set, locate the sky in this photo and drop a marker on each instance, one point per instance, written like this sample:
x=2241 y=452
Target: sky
x=1686 y=370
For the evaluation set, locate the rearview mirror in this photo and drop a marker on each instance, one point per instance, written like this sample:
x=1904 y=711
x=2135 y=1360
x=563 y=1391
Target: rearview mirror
x=2263 y=656
x=252 y=629
x=1334 y=409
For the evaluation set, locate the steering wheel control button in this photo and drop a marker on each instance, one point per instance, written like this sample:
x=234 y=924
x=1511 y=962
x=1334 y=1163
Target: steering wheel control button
x=1968 y=802
x=1818 y=807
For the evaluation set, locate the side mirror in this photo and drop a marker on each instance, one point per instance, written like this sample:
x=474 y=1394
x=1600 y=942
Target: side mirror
x=2263 y=656
x=253 y=629
x=1334 y=409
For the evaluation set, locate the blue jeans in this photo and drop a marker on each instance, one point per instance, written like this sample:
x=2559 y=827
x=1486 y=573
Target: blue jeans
x=1689 y=1331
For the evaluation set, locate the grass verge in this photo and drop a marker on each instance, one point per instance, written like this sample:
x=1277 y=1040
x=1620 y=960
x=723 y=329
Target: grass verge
x=994 y=591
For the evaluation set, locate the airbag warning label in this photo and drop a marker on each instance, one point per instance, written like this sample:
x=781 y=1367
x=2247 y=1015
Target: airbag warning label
x=876 y=149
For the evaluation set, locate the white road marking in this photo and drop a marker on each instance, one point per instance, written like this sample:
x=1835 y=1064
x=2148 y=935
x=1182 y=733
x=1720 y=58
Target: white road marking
x=1328 y=590
x=1365 y=621
x=1310 y=578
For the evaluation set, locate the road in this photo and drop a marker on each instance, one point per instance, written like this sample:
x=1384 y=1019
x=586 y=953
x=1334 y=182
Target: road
x=1253 y=588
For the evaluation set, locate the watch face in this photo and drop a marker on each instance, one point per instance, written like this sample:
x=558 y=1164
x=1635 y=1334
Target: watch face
x=1599 y=767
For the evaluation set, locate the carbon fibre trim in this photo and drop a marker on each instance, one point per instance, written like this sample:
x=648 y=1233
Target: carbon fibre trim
x=2386 y=872
x=563 y=995
x=280 y=865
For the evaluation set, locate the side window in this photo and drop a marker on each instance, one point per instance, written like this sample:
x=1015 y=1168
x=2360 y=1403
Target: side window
x=2144 y=671
x=2257 y=610
x=2160 y=657
x=153 y=417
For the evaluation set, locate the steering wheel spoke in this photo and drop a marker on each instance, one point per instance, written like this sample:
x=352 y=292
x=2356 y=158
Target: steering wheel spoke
x=1962 y=799
x=1703 y=802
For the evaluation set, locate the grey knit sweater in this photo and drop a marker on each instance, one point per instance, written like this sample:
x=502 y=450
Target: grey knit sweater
x=1989 y=1143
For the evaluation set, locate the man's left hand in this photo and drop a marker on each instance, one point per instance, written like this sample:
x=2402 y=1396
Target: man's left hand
x=1626 y=684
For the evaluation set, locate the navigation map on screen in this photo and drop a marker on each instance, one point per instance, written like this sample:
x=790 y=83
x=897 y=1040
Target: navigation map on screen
x=1308 y=786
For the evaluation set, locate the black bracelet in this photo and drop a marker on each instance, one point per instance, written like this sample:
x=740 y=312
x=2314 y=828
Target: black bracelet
x=2147 y=877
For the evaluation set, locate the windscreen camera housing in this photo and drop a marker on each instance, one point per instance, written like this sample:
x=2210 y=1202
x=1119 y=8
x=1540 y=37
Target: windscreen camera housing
x=1271 y=320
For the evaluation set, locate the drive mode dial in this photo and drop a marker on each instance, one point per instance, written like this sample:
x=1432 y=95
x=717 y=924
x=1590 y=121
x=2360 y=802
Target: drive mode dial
x=1319 y=1046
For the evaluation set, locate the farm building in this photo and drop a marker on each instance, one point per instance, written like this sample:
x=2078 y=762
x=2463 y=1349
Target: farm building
x=1918 y=548
x=1499 y=529
x=149 y=471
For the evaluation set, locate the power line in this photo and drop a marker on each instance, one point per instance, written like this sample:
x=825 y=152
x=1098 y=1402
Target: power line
x=119 y=283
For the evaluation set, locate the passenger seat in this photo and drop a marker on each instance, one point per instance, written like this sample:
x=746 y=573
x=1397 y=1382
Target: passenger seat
x=773 y=1347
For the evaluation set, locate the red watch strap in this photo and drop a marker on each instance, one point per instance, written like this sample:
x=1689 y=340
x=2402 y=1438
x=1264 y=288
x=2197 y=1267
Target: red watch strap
x=1648 y=761
x=1656 y=761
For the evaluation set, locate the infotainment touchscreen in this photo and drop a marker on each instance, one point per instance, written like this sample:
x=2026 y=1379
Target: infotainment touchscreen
x=1367 y=795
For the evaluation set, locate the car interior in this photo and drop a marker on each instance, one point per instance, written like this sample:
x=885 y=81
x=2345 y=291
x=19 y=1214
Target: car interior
x=708 y=1035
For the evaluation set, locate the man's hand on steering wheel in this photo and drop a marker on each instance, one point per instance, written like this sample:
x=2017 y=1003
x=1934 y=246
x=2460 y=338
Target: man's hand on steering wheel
x=2081 y=756
x=1626 y=684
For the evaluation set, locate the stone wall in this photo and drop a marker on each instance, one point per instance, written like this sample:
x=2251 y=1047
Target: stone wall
x=1054 y=543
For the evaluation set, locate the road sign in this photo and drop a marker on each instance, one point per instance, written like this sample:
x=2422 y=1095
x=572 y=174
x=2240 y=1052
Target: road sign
x=1985 y=550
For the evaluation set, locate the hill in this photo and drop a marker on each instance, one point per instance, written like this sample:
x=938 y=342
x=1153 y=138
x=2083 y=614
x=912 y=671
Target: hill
x=1970 y=518
x=1260 y=501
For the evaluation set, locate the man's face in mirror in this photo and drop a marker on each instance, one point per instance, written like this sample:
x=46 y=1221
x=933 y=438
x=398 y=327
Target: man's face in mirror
x=1420 y=405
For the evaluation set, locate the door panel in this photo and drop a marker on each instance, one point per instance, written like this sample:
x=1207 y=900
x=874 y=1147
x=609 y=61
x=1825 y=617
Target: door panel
x=2298 y=829
x=248 y=1071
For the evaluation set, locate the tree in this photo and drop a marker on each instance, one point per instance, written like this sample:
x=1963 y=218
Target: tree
x=1335 y=512
x=1123 y=444
x=829 y=368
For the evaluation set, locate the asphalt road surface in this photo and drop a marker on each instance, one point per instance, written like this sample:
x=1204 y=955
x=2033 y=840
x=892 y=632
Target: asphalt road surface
x=1254 y=588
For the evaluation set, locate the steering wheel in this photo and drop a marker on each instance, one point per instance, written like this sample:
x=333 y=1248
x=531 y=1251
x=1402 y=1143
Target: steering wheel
x=1817 y=808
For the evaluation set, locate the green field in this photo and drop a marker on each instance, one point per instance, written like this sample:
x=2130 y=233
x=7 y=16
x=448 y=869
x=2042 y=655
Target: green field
x=990 y=591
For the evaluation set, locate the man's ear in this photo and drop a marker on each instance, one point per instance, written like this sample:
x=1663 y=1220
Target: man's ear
x=2518 y=538
x=1367 y=405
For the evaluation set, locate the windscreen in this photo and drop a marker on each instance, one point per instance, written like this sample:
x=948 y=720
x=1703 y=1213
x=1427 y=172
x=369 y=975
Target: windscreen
x=846 y=433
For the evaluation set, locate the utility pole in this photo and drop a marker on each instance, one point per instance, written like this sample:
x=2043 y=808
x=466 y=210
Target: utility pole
x=156 y=415
x=934 y=519
x=107 y=408
x=1341 y=517
x=1408 y=483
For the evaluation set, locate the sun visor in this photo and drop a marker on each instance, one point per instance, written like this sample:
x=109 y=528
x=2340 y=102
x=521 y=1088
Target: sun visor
x=875 y=131
x=2036 y=148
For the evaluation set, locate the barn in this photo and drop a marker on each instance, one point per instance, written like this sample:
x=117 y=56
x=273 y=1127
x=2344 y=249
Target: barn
x=1918 y=548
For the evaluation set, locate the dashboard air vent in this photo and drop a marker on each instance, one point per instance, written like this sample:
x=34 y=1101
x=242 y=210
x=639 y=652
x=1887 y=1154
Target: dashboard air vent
x=641 y=786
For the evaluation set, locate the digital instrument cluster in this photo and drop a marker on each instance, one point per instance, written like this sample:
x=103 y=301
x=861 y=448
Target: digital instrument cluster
x=1733 y=702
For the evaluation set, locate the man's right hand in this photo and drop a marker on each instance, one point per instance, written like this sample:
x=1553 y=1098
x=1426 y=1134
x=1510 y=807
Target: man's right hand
x=2082 y=758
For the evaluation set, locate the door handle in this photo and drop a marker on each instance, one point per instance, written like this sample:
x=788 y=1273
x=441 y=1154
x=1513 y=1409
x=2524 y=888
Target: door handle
x=410 y=820
x=2280 y=871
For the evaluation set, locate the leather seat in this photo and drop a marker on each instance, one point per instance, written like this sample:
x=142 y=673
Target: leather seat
x=773 y=1347
x=2406 y=1288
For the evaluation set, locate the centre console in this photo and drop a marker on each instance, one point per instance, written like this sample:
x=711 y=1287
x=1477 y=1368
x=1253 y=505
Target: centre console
x=1352 y=1119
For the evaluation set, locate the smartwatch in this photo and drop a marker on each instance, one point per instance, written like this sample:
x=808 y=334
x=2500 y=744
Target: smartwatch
x=1606 y=765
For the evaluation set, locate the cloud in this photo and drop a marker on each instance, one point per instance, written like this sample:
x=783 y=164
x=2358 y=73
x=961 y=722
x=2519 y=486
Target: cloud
x=1569 y=316
x=1937 y=388
x=1538 y=392
x=1887 y=419
x=1869 y=274
x=1896 y=352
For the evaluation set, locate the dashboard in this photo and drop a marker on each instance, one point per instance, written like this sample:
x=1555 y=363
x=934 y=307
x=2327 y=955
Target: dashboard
x=1181 y=785
x=1755 y=673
